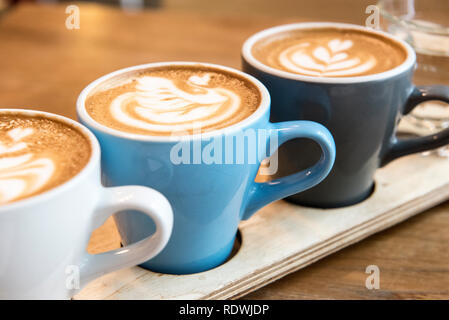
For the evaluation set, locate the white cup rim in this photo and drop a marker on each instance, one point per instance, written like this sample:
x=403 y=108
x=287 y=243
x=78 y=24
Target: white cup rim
x=94 y=159
x=249 y=58
x=255 y=116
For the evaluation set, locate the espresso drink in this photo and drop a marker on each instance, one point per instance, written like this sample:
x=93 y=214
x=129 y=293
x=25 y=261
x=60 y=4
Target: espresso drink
x=37 y=154
x=173 y=100
x=329 y=52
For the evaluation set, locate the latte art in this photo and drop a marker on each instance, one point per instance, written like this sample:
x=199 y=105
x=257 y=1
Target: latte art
x=329 y=52
x=159 y=105
x=331 y=60
x=173 y=100
x=21 y=172
x=36 y=155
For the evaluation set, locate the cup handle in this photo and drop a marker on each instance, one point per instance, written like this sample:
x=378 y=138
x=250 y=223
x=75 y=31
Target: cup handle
x=113 y=200
x=403 y=147
x=261 y=194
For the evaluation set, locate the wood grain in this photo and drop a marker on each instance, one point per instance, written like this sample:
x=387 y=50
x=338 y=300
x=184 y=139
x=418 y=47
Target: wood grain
x=44 y=66
x=412 y=257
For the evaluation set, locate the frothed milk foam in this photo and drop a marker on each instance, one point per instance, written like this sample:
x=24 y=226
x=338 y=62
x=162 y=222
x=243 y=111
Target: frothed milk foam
x=173 y=100
x=329 y=52
x=37 y=154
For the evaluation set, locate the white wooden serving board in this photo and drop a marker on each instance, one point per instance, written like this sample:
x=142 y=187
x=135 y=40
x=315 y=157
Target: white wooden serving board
x=282 y=238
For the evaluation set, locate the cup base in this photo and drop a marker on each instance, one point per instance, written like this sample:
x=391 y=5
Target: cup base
x=322 y=203
x=205 y=264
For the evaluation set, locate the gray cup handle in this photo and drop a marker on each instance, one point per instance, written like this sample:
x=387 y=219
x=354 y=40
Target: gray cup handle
x=402 y=147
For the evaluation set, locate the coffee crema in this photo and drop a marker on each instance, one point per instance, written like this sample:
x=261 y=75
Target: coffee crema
x=173 y=100
x=37 y=154
x=329 y=52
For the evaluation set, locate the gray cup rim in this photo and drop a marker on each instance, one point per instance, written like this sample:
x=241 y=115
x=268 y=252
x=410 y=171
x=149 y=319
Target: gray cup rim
x=247 y=55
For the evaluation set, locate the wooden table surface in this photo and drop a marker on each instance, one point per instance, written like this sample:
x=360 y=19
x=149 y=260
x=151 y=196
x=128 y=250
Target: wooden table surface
x=44 y=66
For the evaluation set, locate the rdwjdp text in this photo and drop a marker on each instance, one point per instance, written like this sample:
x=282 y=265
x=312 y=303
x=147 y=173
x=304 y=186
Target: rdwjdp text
x=227 y=309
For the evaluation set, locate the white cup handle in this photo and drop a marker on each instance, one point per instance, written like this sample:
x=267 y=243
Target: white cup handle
x=113 y=200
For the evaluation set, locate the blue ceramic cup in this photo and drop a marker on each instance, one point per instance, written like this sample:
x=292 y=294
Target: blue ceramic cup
x=208 y=199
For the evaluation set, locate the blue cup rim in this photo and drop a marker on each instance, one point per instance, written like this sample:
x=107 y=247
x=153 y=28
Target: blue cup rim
x=247 y=55
x=86 y=119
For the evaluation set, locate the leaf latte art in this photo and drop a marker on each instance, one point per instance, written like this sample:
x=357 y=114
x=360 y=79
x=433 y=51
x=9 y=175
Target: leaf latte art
x=329 y=52
x=21 y=172
x=159 y=105
x=329 y=61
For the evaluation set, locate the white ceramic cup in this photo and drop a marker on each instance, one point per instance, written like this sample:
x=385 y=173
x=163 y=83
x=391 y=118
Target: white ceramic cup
x=43 y=239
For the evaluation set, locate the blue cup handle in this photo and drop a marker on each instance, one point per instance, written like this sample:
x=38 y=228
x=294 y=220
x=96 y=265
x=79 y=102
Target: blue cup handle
x=261 y=194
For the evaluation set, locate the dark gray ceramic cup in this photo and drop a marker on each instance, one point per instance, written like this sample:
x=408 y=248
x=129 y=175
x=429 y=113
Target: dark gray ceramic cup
x=361 y=112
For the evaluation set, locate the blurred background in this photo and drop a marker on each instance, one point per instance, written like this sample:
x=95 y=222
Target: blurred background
x=335 y=9
x=44 y=64
x=119 y=33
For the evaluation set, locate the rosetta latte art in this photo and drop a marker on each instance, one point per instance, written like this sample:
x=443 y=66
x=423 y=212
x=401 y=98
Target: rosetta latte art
x=21 y=172
x=164 y=105
x=330 y=60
